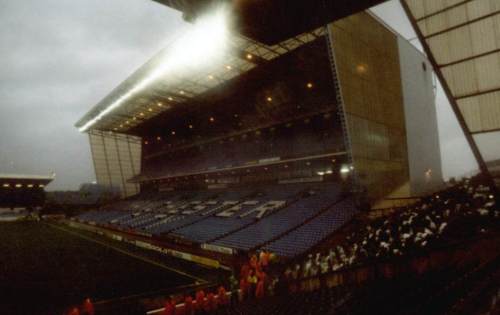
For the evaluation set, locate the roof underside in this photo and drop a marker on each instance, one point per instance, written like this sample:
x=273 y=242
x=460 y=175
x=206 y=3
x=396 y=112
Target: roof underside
x=182 y=88
x=463 y=36
x=272 y=21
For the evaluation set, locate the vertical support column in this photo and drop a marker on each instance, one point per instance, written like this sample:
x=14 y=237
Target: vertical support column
x=454 y=105
x=341 y=107
x=124 y=186
x=106 y=159
x=93 y=156
x=132 y=162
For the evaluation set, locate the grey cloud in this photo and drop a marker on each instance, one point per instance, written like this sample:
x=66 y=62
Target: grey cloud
x=59 y=58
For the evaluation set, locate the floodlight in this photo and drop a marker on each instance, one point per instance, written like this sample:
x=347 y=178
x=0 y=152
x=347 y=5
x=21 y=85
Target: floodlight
x=203 y=45
x=344 y=169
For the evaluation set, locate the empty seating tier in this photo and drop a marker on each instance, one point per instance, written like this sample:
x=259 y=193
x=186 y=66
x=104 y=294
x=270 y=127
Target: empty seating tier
x=280 y=222
x=301 y=239
x=284 y=218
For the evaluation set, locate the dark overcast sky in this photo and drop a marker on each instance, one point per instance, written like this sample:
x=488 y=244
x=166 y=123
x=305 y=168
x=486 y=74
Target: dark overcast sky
x=58 y=58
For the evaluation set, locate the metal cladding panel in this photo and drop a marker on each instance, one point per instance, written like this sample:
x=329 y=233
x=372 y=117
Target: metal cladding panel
x=481 y=112
x=99 y=159
x=116 y=159
x=367 y=61
x=422 y=8
x=464 y=39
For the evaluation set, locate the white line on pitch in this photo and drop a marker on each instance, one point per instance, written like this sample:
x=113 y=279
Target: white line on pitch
x=132 y=255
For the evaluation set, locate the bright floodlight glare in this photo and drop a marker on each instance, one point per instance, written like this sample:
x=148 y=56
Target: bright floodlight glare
x=203 y=45
x=344 y=169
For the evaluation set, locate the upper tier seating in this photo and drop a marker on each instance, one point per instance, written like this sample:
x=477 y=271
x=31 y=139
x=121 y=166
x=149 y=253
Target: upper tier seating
x=297 y=140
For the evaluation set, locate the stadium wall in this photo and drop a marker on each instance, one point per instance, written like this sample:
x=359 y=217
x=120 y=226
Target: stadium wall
x=389 y=107
x=424 y=152
x=366 y=55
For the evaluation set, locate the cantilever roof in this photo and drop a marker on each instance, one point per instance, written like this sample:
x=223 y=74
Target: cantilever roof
x=181 y=88
x=463 y=40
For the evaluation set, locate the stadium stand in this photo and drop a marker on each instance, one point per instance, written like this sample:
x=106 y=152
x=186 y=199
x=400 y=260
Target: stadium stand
x=457 y=213
x=260 y=171
x=288 y=140
x=401 y=253
x=311 y=233
x=280 y=222
x=240 y=218
x=23 y=191
x=432 y=274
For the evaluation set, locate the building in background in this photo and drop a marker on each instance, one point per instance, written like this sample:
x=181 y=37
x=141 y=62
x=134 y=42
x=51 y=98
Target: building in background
x=23 y=191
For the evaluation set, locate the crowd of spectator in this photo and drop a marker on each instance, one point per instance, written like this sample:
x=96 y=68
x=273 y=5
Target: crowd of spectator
x=256 y=279
x=464 y=210
x=87 y=308
x=255 y=283
x=201 y=303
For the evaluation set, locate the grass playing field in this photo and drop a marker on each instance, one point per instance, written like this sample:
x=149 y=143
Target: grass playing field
x=44 y=269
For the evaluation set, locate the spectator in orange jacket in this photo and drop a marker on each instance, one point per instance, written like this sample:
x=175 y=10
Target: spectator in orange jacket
x=211 y=302
x=243 y=288
x=221 y=292
x=188 y=305
x=169 y=307
x=253 y=261
x=244 y=270
x=264 y=259
x=74 y=311
x=88 y=307
x=252 y=283
x=259 y=291
x=200 y=300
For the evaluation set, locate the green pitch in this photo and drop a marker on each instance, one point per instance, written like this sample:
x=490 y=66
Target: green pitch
x=43 y=270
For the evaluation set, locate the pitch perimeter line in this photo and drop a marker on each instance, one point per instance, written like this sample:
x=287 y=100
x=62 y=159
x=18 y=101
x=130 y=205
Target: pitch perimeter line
x=202 y=281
